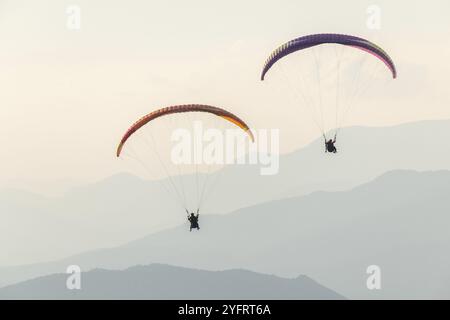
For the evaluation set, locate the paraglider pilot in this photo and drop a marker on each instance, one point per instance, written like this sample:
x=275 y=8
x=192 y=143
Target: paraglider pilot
x=329 y=145
x=193 y=219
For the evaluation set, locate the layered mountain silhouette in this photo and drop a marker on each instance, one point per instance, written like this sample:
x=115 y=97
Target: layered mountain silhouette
x=123 y=207
x=167 y=282
x=398 y=222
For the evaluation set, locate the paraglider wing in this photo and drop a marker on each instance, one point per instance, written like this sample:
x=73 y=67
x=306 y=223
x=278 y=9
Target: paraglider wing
x=318 y=39
x=180 y=109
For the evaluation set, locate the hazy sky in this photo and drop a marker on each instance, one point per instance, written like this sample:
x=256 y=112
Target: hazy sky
x=67 y=96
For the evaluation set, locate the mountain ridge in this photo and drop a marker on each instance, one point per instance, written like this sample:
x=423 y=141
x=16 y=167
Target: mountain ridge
x=313 y=234
x=161 y=281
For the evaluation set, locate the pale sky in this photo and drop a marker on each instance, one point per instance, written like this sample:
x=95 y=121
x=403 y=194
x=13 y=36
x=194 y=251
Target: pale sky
x=67 y=96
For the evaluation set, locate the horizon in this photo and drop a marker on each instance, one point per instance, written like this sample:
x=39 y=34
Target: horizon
x=46 y=189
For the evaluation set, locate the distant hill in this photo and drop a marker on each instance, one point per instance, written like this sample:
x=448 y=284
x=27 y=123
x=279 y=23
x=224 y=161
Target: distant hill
x=123 y=207
x=166 y=282
x=399 y=222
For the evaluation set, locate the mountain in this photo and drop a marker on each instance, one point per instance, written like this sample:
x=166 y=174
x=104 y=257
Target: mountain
x=398 y=222
x=123 y=207
x=167 y=282
x=41 y=228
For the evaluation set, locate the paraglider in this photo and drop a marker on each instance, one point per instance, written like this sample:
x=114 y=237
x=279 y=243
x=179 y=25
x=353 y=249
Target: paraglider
x=327 y=79
x=193 y=219
x=152 y=137
x=329 y=145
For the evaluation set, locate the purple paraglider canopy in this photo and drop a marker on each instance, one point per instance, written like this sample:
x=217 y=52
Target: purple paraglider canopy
x=318 y=39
